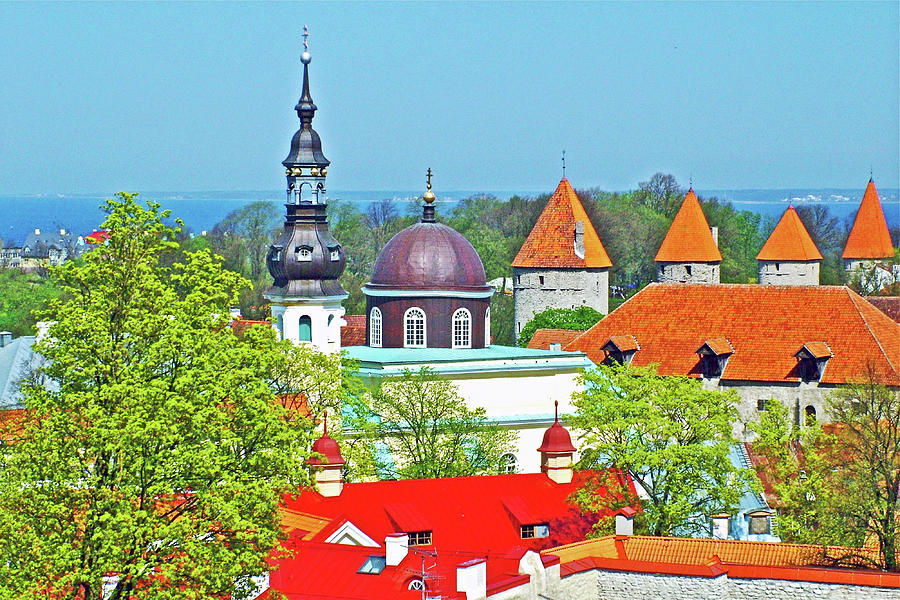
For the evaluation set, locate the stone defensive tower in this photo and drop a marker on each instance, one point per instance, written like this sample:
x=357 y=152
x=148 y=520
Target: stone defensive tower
x=789 y=256
x=562 y=263
x=689 y=253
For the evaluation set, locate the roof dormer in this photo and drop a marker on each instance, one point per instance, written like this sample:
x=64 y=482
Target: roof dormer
x=621 y=349
x=812 y=358
x=714 y=355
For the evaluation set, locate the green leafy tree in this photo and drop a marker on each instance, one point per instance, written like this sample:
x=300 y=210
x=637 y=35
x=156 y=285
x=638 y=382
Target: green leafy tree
x=502 y=311
x=581 y=318
x=839 y=484
x=21 y=294
x=158 y=456
x=670 y=436
x=431 y=432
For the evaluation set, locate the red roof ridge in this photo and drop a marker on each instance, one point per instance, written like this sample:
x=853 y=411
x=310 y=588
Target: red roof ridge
x=550 y=243
x=689 y=238
x=789 y=240
x=865 y=321
x=869 y=237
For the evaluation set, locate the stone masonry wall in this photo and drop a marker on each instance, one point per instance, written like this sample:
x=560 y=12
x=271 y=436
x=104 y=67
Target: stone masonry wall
x=793 y=395
x=621 y=585
x=667 y=272
x=536 y=290
x=789 y=272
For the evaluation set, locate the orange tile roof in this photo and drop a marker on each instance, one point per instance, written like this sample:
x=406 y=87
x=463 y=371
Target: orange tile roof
x=689 y=238
x=718 y=346
x=869 y=237
x=354 y=332
x=766 y=326
x=551 y=243
x=789 y=240
x=542 y=338
x=624 y=343
x=711 y=558
x=818 y=349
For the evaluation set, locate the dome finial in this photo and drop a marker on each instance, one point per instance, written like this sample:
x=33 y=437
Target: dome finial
x=305 y=57
x=326 y=422
x=429 y=195
x=556 y=411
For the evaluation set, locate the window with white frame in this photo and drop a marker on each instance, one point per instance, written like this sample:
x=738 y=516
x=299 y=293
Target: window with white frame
x=487 y=327
x=414 y=328
x=375 y=327
x=508 y=463
x=462 y=329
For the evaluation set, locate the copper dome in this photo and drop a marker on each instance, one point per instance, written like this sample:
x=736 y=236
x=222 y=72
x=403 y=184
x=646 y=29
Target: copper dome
x=429 y=256
x=330 y=451
x=556 y=439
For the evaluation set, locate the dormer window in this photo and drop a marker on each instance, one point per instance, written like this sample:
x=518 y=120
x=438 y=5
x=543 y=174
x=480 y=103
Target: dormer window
x=811 y=359
x=714 y=355
x=304 y=253
x=419 y=538
x=760 y=522
x=540 y=530
x=335 y=252
x=620 y=349
x=275 y=253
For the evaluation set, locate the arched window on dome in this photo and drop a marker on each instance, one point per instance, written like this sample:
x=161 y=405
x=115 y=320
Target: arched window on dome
x=375 y=327
x=414 y=328
x=305 y=329
x=462 y=328
x=487 y=327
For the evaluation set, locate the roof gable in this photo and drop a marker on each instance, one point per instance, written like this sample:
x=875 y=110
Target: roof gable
x=551 y=242
x=869 y=237
x=789 y=240
x=689 y=238
x=765 y=325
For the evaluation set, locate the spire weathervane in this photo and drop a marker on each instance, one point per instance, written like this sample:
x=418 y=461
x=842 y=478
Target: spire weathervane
x=564 y=164
x=305 y=57
x=429 y=195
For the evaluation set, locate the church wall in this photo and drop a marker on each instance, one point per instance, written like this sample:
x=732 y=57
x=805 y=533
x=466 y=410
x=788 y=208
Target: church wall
x=789 y=272
x=536 y=290
x=695 y=272
x=439 y=319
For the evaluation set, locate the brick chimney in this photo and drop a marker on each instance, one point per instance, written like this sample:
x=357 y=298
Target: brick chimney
x=579 y=239
x=396 y=546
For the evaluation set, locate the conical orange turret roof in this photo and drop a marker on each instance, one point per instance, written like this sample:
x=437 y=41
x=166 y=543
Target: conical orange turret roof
x=689 y=238
x=789 y=240
x=869 y=237
x=551 y=243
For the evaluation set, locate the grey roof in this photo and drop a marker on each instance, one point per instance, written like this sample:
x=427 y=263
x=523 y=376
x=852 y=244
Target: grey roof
x=16 y=360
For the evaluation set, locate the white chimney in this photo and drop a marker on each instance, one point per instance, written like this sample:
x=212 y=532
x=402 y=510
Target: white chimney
x=37 y=232
x=396 y=545
x=579 y=239
x=62 y=232
x=556 y=346
x=471 y=578
x=720 y=526
x=715 y=233
x=6 y=338
x=625 y=521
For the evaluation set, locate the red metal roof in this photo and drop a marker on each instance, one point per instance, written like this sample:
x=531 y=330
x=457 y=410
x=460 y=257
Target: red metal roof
x=869 y=237
x=689 y=238
x=551 y=243
x=766 y=326
x=789 y=241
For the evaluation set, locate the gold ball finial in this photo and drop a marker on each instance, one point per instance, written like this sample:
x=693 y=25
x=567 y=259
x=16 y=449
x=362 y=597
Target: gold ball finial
x=429 y=195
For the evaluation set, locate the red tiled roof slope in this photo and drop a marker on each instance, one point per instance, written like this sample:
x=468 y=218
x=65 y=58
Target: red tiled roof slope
x=542 y=338
x=766 y=326
x=689 y=238
x=869 y=237
x=551 y=242
x=354 y=332
x=789 y=240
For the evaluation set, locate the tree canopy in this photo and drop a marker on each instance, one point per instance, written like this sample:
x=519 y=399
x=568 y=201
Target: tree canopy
x=670 y=436
x=581 y=318
x=838 y=484
x=430 y=431
x=153 y=452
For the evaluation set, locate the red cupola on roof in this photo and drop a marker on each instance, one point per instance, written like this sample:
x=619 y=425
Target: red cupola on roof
x=789 y=241
x=689 y=238
x=869 y=237
x=328 y=448
x=556 y=438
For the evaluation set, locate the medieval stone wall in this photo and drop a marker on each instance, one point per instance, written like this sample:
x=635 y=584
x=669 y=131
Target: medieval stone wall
x=698 y=272
x=789 y=272
x=536 y=290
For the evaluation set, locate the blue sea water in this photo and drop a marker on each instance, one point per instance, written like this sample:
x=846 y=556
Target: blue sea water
x=81 y=214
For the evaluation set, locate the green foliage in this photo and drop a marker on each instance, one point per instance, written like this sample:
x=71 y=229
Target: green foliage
x=670 y=436
x=431 y=432
x=160 y=453
x=21 y=294
x=581 y=318
x=839 y=486
x=502 y=311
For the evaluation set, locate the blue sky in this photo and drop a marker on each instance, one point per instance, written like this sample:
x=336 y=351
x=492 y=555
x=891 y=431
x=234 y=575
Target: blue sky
x=100 y=97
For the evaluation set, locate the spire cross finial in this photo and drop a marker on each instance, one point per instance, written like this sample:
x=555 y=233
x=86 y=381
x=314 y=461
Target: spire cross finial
x=428 y=178
x=305 y=37
x=556 y=411
x=870 y=172
x=691 y=180
x=564 y=164
x=326 y=422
